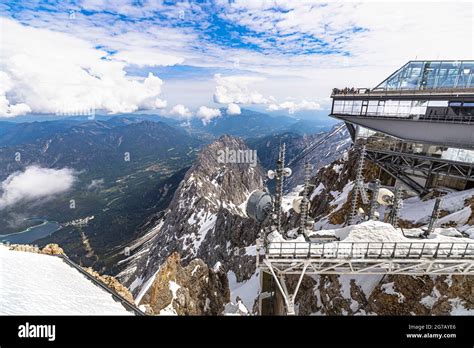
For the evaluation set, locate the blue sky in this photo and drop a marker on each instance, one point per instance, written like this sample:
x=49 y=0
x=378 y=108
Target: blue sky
x=280 y=56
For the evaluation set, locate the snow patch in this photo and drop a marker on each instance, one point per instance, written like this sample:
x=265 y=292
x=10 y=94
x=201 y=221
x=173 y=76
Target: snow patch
x=36 y=284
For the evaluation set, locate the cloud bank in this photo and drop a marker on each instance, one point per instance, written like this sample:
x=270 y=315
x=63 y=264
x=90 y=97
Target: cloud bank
x=293 y=107
x=237 y=89
x=50 y=72
x=35 y=183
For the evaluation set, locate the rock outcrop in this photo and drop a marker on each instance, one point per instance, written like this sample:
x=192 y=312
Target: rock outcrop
x=206 y=219
x=52 y=249
x=194 y=289
x=112 y=283
x=387 y=295
x=49 y=249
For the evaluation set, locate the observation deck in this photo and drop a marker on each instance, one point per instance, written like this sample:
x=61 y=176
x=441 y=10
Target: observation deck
x=424 y=101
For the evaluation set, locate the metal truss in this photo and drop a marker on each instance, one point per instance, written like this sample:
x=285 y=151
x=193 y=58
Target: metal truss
x=400 y=165
x=315 y=266
x=403 y=258
x=280 y=268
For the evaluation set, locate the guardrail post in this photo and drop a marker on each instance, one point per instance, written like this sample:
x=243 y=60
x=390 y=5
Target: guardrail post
x=421 y=252
x=465 y=250
x=436 y=251
x=450 y=250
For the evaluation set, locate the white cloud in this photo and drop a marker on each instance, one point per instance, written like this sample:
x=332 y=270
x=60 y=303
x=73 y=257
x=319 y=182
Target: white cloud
x=35 y=183
x=233 y=109
x=180 y=110
x=305 y=47
x=293 y=107
x=207 y=114
x=236 y=89
x=7 y=109
x=57 y=72
x=239 y=89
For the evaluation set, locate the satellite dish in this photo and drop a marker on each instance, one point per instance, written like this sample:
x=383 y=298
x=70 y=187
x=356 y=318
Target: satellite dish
x=259 y=205
x=385 y=196
x=271 y=174
x=287 y=172
x=297 y=204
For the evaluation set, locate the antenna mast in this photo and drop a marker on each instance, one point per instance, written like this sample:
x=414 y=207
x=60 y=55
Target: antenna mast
x=279 y=177
x=305 y=201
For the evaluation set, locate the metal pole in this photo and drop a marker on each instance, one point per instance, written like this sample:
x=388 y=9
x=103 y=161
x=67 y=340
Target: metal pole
x=397 y=204
x=434 y=216
x=305 y=200
x=358 y=185
x=279 y=186
x=374 y=203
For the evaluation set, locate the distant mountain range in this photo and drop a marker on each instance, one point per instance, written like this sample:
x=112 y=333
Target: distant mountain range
x=249 y=124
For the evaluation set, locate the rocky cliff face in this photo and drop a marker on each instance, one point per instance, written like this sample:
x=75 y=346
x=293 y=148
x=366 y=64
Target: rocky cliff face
x=191 y=290
x=385 y=295
x=206 y=220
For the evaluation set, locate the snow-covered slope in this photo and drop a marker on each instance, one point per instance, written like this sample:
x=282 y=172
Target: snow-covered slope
x=37 y=284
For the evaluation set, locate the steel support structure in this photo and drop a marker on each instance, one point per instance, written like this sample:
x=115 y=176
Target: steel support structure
x=403 y=258
x=400 y=165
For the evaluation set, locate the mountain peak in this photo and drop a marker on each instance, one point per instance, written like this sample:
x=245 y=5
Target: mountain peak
x=216 y=187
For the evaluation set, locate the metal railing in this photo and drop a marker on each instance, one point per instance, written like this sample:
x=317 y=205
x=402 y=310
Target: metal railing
x=371 y=250
x=466 y=119
x=400 y=92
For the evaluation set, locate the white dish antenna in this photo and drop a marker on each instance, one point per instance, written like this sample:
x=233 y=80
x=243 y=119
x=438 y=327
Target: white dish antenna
x=385 y=197
x=259 y=205
x=297 y=204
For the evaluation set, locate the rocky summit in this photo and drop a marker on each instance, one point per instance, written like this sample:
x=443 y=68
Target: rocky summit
x=205 y=224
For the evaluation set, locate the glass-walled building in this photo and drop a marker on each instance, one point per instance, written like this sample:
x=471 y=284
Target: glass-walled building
x=418 y=124
x=423 y=75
